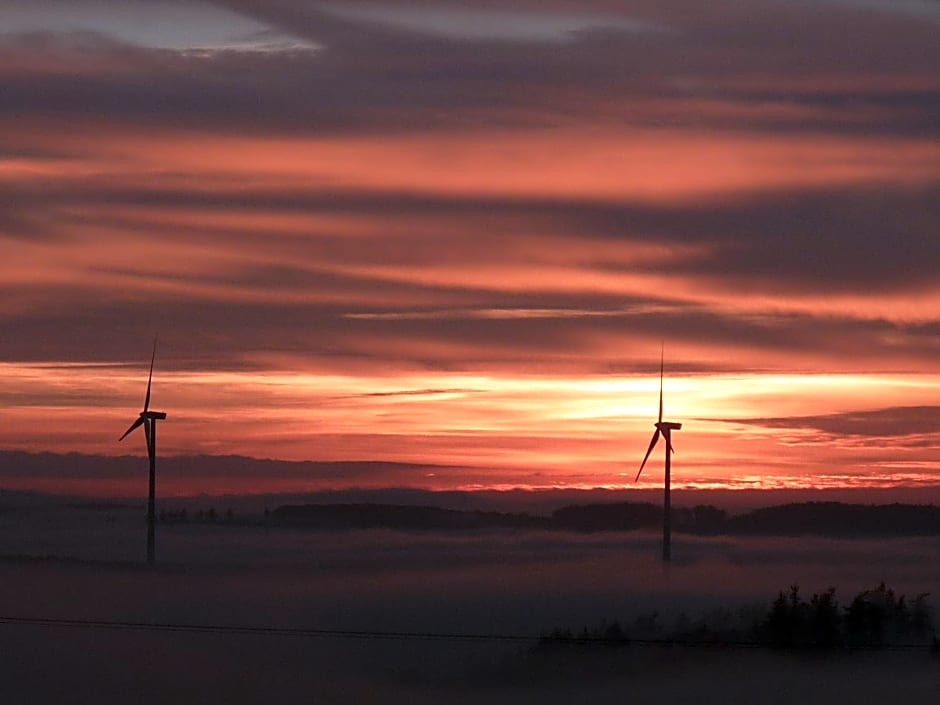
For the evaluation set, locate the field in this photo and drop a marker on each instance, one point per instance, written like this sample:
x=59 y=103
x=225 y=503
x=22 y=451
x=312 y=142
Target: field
x=505 y=583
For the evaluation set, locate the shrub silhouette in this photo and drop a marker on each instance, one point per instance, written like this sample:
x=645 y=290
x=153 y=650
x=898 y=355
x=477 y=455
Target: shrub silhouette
x=875 y=618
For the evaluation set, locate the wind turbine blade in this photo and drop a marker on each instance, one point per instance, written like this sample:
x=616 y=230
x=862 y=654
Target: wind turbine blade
x=668 y=436
x=147 y=434
x=662 y=352
x=134 y=425
x=648 y=451
x=150 y=378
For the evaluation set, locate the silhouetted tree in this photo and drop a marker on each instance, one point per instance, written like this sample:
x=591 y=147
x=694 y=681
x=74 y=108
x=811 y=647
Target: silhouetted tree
x=647 y=626
x=792 y=622
x=921 y=618
x=866 y=616
x=825 y=620
x=779 y=623
x=614 y=634
x=683 y=624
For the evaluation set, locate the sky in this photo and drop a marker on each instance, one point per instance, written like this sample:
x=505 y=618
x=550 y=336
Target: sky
x=461 y=233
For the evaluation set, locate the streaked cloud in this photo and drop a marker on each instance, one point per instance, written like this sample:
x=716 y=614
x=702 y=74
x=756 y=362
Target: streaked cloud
x=458 y=21
x=880 y=423
x=184 y=26
x=920 y=9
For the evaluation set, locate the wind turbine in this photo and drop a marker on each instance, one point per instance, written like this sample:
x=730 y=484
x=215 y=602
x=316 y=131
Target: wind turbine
x=664 y=429
x=148 y=419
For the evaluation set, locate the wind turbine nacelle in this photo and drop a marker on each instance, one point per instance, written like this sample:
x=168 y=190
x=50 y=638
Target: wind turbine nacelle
x=154 y=415
x=668 y=426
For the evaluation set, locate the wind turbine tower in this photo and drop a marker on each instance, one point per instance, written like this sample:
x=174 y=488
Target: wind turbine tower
x=148 y=419
x=664 y=429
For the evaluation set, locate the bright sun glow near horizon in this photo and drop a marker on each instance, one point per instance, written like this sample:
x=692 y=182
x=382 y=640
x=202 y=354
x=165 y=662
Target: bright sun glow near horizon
x=740 y=431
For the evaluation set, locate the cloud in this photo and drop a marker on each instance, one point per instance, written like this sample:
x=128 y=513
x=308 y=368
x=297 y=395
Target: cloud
x=465 y=23
x=853 y=240
x=175 y=26
x=427 y=392
x=375 y=76
x=358 y=276
x=920 y=9
x=896 y=421
x=509 y=190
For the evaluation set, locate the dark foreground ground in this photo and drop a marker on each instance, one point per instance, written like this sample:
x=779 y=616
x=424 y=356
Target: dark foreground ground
x=60 y=666
x=490 y=582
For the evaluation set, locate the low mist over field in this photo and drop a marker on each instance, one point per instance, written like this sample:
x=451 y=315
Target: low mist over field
x=484 y=582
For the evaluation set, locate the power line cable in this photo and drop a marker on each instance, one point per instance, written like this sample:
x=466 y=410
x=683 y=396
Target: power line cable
x=408 y=635
x=262 y=630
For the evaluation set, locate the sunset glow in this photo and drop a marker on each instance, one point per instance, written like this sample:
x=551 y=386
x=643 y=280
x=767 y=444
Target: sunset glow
x=459 y=238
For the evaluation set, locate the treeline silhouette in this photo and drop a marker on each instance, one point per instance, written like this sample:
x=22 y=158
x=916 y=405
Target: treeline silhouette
x=198 y=516
x=393 y=516
x=825 y=518
x=874 y=619
x=835 y=518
